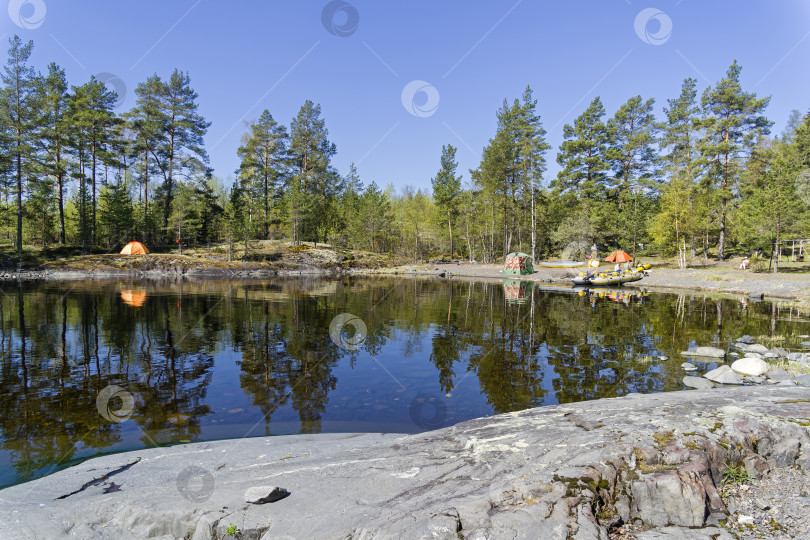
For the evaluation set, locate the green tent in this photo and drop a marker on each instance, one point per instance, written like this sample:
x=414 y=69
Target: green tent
x=517 y=264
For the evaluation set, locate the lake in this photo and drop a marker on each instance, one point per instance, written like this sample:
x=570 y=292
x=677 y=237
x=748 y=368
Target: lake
x=99 y=367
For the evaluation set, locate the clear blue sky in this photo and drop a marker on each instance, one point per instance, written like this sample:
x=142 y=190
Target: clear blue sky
x=244 y=57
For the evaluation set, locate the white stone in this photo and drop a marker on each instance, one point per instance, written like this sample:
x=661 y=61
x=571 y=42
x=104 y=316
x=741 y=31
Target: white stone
x=753 y=367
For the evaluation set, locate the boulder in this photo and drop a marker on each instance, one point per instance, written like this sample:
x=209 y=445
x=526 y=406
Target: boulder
x=756 y=347
x=780 y=352
x=805 y=344
x=746 y=339
x=778 y=375
x=698 y=382
x=724 y=375
x=713 y=352
x=688 y=366
x=750 y=354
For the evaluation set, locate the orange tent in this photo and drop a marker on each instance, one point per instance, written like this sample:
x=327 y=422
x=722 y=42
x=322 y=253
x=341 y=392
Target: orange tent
x=133 y=298
x=619 y=257
x=134 y=248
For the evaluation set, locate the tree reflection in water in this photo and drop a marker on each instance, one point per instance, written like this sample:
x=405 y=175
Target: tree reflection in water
x=215 y=359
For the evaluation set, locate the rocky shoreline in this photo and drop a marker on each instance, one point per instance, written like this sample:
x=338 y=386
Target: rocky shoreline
x=639 y=466
x=724 y=279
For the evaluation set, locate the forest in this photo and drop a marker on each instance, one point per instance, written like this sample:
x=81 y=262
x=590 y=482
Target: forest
x=707 y=179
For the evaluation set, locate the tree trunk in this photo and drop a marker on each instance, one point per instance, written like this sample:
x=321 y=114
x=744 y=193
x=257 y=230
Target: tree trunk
x=19 y=199
x=450 y=228
x=93 y=199
x=778 y=250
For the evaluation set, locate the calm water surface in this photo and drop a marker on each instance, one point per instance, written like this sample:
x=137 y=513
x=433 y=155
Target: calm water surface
x=90 y=368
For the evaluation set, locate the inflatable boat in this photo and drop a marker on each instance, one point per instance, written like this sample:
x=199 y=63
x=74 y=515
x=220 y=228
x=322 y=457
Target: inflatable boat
x=568 y=264
x=610 y=278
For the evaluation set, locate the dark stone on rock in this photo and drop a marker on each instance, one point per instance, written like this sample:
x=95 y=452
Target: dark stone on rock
x=756 y=295
x=746 y=339
x=265 y=494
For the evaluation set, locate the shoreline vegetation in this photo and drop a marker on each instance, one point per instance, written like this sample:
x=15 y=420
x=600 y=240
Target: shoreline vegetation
x=265 y=259
x=696 y=176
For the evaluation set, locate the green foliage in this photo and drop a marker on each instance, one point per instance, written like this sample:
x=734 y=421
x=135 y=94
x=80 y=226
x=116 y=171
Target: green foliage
x=735 y=475
x=232 y=529
x=447 y=190
x=264 y=164
x=704 y=177
x=730 y=123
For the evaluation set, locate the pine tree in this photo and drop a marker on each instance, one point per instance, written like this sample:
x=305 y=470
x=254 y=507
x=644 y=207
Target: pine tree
x=679 y=138
x=447 y=190
x=264 y=160
x=634 y=161
x=731 y=121
x=172 y=132
x=311 y=153
x=91 y=114
x=583 y=156
x=532 y=149
x=19 y=111
x=55 y=124
x=146 y=122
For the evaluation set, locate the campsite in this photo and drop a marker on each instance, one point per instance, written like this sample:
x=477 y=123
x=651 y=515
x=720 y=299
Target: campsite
x=419 y=270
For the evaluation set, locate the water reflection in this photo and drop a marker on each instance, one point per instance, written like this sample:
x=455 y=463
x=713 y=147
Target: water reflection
x=232 y=359
x=135 y=298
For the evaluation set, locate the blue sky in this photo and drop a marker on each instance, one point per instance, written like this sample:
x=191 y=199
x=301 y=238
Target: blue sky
x=244 y=57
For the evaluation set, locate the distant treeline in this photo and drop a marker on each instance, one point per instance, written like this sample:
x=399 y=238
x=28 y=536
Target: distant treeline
x=702 y=181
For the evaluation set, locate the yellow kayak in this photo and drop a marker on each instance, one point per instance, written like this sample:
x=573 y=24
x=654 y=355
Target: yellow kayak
x=567 y=264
